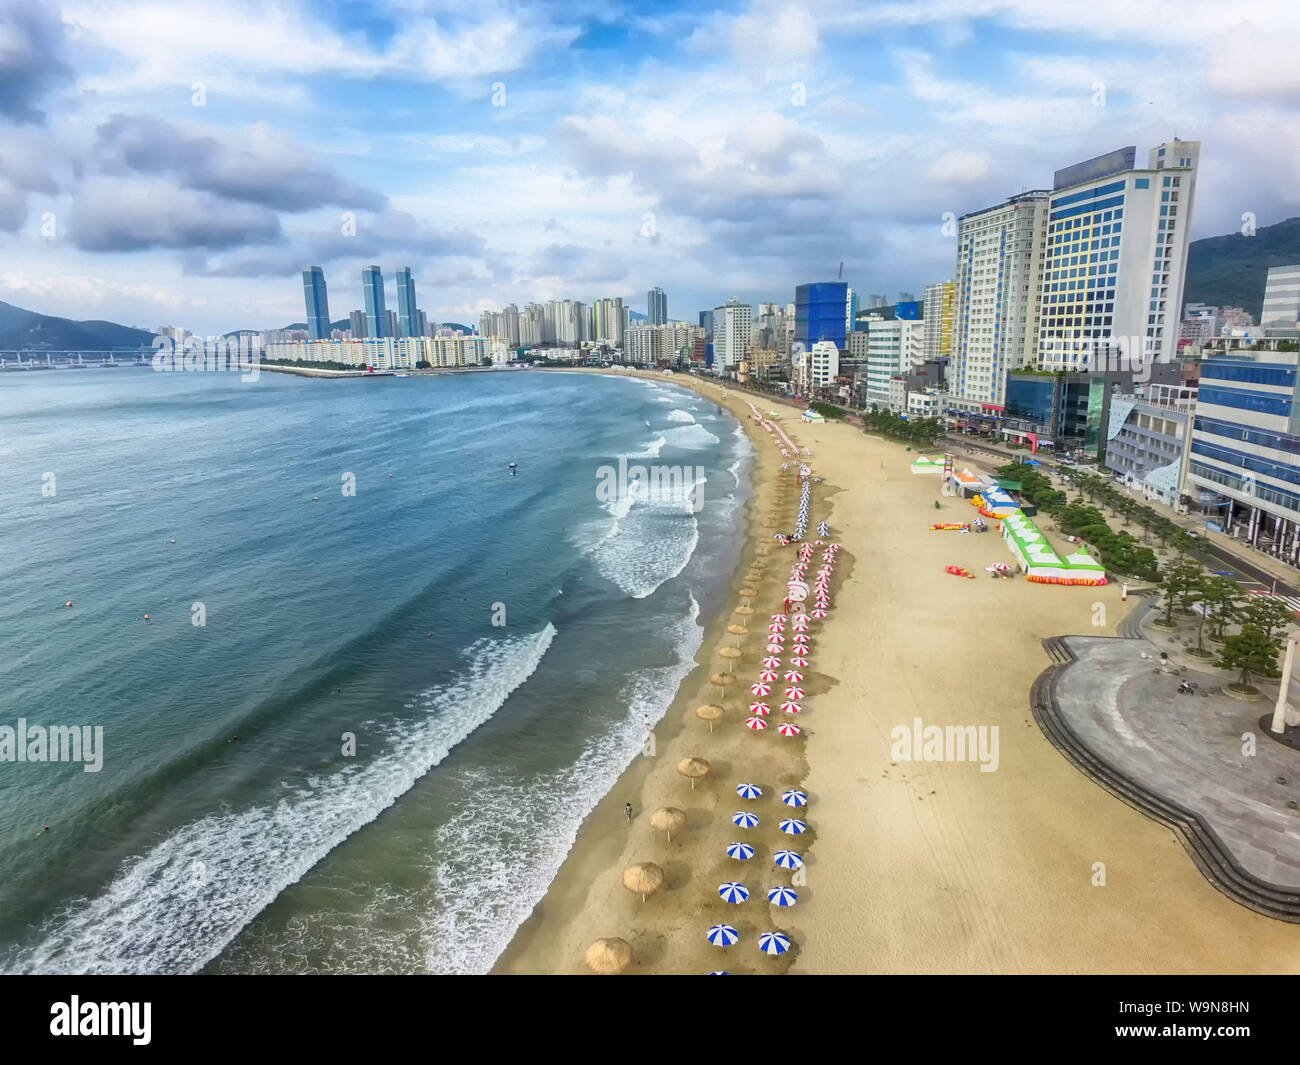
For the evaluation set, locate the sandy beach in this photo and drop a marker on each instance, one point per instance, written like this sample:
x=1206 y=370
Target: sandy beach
x=912 y=867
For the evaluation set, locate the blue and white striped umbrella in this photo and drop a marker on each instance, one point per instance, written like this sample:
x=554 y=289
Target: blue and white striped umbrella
x=744 y=819
x=792 y=826
x=723 y=935
x=749 y=791
x=794 y=797
x=823 y=527
x=782 y=896
x=787 y=859
x=773 y=943
x=740 y=851
x=733 y=892
x=719 y=972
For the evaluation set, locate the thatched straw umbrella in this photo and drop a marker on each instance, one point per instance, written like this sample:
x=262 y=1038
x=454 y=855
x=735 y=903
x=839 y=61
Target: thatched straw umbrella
x=668 y=819
x=694 y=768
x=738 y=630
x=749 y=593
x=644 y=878
x=709 y=712
x=608 y=956
x=743 y=611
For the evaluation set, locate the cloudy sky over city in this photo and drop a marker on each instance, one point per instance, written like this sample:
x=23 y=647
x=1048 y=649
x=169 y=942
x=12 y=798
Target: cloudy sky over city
x=181 y=161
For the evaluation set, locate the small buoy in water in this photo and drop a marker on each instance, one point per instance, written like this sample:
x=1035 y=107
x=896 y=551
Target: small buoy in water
x=146 y=617
x=390 y=475
x=68 y=603
x=315 y=498
x=173 y=539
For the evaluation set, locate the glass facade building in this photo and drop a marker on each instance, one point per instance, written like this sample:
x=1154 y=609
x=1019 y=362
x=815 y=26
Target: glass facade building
x=657 y=306
x=372 y=288
x=821 y=312
x=408 y=315
x=318 y=310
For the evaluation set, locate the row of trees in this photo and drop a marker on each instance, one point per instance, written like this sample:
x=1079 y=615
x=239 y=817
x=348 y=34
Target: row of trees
x=1103 y=491
x=925 y=432
x=1219 y=602
x=1119 y=551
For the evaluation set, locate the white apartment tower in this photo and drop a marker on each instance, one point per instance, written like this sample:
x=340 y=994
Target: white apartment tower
x=732 y=330
x=1115 y=259
x=995 y=313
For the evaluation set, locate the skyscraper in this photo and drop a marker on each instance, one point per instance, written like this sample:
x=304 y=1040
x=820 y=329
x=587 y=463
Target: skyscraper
x=822 y=312
x=372 y=288
x=408 y=315
x=657 y=306
x=318 y=310
x=732 y=327
x=1115 y=257
x=358 y=322
x=938 y=319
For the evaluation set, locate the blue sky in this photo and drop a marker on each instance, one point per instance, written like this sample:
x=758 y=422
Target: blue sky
x=510 y=152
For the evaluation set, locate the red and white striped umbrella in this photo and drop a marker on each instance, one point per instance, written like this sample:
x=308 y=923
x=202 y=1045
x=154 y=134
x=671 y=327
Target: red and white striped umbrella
x=793 y=676
x=776 y=626
x=820 y=612
x=771 y=663
x=799 y=661
x=761 y=709
x=794 y=693
x=778 y=617
x=774 y=648
x=801 y=623
x=768 y=675
x=791 y=707
x=775 y=637
x=759 y=688
x=802 y=639
x=822 y=601
x=756 y=723
x=786 y=728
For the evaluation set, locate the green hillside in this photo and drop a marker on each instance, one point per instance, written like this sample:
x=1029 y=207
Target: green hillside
x=1230 y=271
x=20 y=328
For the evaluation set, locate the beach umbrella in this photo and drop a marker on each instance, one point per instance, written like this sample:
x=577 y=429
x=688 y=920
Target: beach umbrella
x=732 y=891
x=775 y=647
x=799 y=661
x=722 y=679
x=643 y=878
x=790 y=707
x=792 y=826
x=761 y=709
x=742 y=852
x=824 y=527
x=760 y=687
x=730 y=652
x=608 y=956
x=802 y=639
x=794 y=693
x=722 y=935
x=744 y=819
x=786 y=728
x=755 y=724
x=749 y=791
x=668 y=819
x=793 y=675
x=693 y=768
x=782 y=896
x=776 y=638
x=771 y=662
x=773 y=943
x=749 y=593
x=738 y=630
x=801 y=624
x=794 y=797
x=768 y=675
x=820 y=612
x=778 y=617
x=776 y=626
x=787 y=859
x=718 y=972
x=709 y=712
x=743 y=611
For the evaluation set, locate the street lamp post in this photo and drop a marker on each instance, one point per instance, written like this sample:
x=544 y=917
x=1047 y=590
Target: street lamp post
x=1279 y=722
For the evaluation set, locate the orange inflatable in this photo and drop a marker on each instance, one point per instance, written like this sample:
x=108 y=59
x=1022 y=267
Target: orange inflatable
x=959 y=571
x=950 y=525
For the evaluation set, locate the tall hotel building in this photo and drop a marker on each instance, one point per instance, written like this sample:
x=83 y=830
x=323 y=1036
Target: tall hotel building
x=939 y=300
x=999 y=277
x=372 y=288
x=318 y=309
x=408 y=315
x=657 y=306
x=733 y=326
x=1246 y=446
x=1112 y=283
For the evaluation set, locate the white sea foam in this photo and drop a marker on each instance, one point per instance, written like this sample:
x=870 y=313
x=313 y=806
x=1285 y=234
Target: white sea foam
x=490 y=879
x=178 y=906
x=650 y=450
x=691 y=437
x=680 y=415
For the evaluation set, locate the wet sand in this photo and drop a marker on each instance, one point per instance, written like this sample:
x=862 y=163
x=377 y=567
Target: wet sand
x=911 y=866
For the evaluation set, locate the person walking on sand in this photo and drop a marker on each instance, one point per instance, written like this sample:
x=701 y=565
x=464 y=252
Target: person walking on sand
x=627 y=809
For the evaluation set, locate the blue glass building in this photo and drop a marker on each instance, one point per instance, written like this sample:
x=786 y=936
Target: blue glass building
x=408 y=315
x=372 y=288
x=318 y=310
x=821 y=312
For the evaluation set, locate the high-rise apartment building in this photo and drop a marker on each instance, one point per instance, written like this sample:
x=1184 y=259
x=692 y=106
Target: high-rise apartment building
x=1115 y=259
x=894 y=346
x=995 y=296
x=318 y=308
x=609 y=320
x=408 y=315
x=1281 y=311
x=939 y=301
x=733 y=325
x=822 y=311
x=372 y=288
x=357 y=319
x=657 y=306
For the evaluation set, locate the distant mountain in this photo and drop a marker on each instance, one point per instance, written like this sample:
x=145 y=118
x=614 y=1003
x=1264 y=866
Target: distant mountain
x=20 y=328
x=637 y=316
x=1230 y=271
